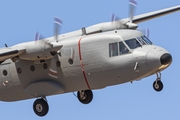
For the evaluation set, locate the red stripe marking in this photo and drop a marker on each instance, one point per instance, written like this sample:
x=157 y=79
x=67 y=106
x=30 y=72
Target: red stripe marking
x=54 y=73
x=81 y=63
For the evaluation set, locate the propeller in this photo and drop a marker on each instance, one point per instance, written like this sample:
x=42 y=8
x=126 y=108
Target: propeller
x=37 y=36
x=114 y=17
x=72 y=53
x=38 y=39
x=53 y=68
x=132 y=7
x=54 y=63
x=54 y=47
x=120 y=24
x=129 y=24
x=57 y=26
x=145 y=31
x=116 y=22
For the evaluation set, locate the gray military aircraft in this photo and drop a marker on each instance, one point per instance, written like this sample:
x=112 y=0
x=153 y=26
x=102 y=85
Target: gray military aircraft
x=95 y=57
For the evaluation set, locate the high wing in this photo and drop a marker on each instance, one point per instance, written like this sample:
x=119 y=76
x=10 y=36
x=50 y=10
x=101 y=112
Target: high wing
x=6 y=53
x=10 y=52
x=125 y=23
x=151 y=15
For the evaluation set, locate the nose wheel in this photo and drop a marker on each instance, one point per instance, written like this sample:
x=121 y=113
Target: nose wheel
x=85 y=96
x=158 y=85
x=40 y=107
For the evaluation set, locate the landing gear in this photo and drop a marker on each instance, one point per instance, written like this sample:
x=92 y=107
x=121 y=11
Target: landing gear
x=85 y=96
x=41 y=107
x=158 y=85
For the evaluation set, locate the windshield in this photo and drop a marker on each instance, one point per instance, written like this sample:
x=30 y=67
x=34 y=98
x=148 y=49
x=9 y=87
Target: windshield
x=132 y=43
x=144 y=40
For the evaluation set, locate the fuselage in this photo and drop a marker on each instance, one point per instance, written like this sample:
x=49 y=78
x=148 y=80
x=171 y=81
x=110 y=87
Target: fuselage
x=85 y=62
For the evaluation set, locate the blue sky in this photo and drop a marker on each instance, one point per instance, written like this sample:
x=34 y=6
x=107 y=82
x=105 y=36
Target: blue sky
x=138 y=101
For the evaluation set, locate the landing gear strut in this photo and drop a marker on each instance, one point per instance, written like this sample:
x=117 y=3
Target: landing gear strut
x=158 y=85
x=41 y=107
x=85 y=96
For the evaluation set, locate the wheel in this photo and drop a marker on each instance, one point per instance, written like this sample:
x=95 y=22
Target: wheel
x=158 y=86
x=85 y=96
x=40 y=107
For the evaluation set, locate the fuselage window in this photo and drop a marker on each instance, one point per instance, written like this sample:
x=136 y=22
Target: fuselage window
x=133 y=43
x=113 y=49
x=19 y=70
x=146 y=40
x=5 y=72
x=123 y=49
x=32 y=68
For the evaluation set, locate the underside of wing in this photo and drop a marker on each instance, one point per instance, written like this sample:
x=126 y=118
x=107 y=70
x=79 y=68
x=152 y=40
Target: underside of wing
x=6 y=53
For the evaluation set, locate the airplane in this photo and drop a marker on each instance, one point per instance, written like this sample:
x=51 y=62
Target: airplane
x=94 y=57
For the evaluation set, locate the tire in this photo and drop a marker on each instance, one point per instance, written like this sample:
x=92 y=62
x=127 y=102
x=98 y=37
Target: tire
x=40 y=107
x=86 y=98
x=158 y=87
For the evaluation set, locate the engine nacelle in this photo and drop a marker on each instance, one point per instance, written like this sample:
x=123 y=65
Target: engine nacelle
x=39 y=50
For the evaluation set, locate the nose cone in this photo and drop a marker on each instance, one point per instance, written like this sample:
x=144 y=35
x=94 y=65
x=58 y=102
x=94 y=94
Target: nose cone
x=166 y=59
x=158 y=59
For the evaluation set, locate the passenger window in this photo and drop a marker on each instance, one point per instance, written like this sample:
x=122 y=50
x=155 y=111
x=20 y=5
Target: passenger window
x=123 y=49
x=133 y=43
x=113 y=49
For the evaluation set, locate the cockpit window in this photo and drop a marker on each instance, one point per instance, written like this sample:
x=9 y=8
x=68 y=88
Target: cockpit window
x=123 y=49
x=113 y=49
x=146 y=40
x=117 y=48
x=133 y=43
x=141 y=41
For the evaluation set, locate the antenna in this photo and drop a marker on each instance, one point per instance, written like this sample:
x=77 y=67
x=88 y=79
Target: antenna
x=84 y=31
x=6 y=45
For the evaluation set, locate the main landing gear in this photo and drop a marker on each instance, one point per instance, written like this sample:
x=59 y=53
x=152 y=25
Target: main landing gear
x=158 y=85
x=85 y=96
x=41 y=107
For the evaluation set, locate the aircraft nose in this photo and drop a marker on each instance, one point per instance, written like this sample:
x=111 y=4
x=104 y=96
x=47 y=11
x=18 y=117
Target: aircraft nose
x=166 y=59
x=158 y=59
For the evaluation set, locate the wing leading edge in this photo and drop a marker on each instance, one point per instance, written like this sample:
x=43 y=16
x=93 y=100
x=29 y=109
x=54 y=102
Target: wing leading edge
x=151 y=15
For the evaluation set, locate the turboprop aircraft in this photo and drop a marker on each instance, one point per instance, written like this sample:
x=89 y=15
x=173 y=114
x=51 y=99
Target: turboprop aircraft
x=94 y=57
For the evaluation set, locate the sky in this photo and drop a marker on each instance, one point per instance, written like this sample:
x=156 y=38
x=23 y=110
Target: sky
x=19 y=20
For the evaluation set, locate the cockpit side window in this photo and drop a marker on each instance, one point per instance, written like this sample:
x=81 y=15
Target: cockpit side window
x=113 y=49
x=133 y=43
x=123 y=49
x=146 y=40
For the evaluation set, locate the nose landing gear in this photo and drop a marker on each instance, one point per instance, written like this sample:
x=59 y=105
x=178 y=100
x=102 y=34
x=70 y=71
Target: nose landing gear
x=158 y=85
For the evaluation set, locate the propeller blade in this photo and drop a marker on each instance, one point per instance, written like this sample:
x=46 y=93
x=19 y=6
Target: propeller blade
x=57 y=25
x=114 y=17
x=71 y=59
x=38 y=39
x=72 y=53
x=132 y=6
x=145 y=31
x=53 y=69
x=116 y=21
x=120 y=24
x=37 y=36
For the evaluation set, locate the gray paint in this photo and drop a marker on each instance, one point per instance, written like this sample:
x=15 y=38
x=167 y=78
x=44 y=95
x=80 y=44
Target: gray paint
x=100 y=69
